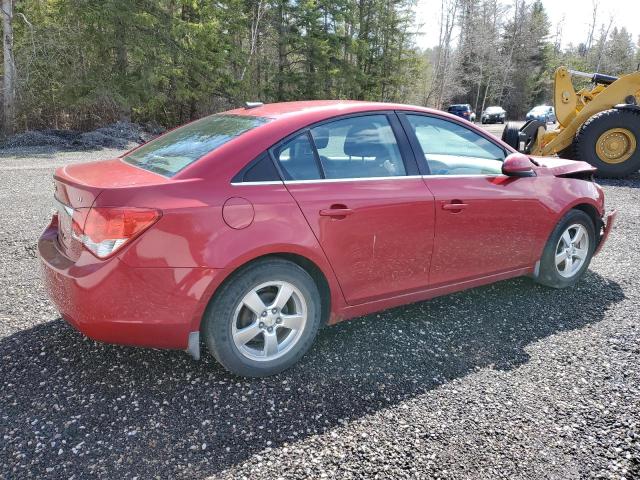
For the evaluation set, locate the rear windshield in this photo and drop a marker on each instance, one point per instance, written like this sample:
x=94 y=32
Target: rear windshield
x=181 y=147
x=457 y=108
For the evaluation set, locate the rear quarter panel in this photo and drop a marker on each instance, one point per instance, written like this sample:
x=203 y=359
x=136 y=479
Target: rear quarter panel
x=193 y=233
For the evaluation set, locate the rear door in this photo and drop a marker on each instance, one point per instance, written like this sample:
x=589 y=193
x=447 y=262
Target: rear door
x=486 y=222
x=357 y=183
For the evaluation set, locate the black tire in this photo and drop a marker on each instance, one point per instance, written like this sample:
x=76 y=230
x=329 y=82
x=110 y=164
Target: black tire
x=483 y=121
x=569 y=153
x=548 y=274
x=592 y=129
x=217 y=323
x=511 y=135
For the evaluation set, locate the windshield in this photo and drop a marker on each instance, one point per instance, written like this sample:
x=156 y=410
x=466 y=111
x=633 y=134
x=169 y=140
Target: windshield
x=540 y=109
x=493 y=110
x=170 y=153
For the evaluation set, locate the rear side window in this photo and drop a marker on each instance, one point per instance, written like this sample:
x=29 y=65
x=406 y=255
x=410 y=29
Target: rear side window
x=260 y=170
x=358 y=147
x=297 y=159
x=170 y=153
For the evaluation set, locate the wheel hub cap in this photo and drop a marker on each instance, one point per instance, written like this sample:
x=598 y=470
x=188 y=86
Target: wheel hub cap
x=572 y=250
x=269 y=321
x=616 y=145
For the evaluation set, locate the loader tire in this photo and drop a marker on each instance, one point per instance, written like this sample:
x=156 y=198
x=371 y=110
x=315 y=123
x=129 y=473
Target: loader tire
x=511 y=135
x=569 y=153
x=610 y=141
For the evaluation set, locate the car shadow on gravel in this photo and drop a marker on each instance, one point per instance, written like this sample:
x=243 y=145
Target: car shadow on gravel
x=75 y=406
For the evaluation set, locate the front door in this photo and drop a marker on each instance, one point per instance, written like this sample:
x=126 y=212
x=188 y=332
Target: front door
x=486 y=222
x=368 y=207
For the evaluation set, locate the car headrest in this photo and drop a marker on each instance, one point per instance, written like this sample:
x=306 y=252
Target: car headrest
x=320 y=136
x=363 y=141
x=301 y=151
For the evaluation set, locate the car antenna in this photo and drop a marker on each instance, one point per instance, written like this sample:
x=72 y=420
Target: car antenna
x=249 y=105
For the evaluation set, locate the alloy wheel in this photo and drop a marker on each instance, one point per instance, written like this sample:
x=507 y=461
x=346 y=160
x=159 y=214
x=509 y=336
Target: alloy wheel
x=572 y=250
x=269 y=321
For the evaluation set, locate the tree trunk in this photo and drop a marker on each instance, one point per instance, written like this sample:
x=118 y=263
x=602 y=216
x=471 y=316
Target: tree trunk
x=281 y=51
x=9 y=79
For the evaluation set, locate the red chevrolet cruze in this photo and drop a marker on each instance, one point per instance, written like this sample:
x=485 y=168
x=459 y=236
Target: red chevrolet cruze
x=252 y=228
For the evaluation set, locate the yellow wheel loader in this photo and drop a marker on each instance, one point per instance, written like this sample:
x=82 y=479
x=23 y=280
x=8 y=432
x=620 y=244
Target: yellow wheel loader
x=599 y=125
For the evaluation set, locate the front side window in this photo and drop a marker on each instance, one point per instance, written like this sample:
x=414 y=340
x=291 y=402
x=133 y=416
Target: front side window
x=452 y=149
x=358 y=147
x=170 y=153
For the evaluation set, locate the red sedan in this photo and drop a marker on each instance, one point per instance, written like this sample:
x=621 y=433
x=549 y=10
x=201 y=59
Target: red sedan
x=252 y=228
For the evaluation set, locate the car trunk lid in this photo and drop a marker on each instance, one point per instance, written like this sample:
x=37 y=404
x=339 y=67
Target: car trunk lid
x=78 y=186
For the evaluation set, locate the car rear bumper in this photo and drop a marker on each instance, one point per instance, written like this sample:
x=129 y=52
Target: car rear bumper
x=609 y=220
x=112 y=302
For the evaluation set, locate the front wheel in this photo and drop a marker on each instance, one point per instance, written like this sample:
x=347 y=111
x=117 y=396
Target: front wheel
x=609 y=140
x=264 y=319
x=568 y=251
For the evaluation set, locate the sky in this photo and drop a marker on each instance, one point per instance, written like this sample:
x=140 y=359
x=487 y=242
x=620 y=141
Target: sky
x=577 y=14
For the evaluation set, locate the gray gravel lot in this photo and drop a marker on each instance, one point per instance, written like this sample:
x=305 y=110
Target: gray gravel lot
x=511 y=380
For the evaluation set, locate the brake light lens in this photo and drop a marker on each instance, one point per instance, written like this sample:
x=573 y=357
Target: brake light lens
x=108 y=229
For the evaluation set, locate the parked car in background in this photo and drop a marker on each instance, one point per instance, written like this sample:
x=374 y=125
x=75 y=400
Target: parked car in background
x=463 y=110
x=251 y=228
x=493 y=115
x=542 y=113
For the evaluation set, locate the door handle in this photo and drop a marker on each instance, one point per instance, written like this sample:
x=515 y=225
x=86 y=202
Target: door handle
x=454 y=206
x=336 y=211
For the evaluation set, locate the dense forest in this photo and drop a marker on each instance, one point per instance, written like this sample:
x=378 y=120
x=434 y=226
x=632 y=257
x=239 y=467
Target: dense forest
x=83 y=63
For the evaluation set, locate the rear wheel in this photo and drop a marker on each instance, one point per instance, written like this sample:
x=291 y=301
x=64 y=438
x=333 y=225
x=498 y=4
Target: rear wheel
x=568 y=251
x=264 y=319
x=610 y=142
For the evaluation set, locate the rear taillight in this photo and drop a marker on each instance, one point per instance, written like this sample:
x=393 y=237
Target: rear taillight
x=106 y=229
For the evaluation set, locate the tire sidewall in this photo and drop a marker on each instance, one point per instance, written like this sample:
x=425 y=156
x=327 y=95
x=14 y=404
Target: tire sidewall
x=511 y=135
x=217 y=324
x=591 y=132
x=548 y=272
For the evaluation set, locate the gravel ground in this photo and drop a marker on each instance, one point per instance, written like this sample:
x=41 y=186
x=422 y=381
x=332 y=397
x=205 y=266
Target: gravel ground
x=511 y=380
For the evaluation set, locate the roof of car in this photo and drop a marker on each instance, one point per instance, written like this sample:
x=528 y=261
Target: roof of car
x=328 y=108
x=287 y=119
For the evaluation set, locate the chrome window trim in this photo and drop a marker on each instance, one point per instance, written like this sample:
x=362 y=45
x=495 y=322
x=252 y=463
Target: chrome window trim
x=363 y=179
x=468 y=175
x=357 y=179
x=265 y=182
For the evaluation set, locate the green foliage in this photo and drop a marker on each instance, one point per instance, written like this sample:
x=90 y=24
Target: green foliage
x=82 y=63
x=89 y=62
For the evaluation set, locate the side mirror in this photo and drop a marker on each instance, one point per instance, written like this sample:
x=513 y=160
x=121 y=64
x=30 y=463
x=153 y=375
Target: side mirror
x=517 y=165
